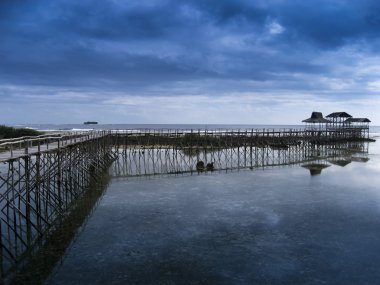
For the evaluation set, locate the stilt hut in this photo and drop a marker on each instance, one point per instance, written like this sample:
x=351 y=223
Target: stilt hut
x=358 y=122
x=337 y=120
x=316 y=122
x=358 y=126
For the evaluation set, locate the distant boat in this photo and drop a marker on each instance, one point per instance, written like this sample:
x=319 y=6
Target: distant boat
x=90 y=123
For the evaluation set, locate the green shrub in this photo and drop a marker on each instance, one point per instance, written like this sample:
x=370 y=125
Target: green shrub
x=10 y=132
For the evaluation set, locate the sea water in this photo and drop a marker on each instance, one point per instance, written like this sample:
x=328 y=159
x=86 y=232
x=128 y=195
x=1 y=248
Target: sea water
x=83 y=127
x=260 y=226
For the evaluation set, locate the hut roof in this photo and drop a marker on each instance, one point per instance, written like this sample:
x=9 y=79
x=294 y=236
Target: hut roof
x=316 y=117
x=358 y=120
x=339 y=115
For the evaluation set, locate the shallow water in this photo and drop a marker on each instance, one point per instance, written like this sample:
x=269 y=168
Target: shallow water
x=271 y=226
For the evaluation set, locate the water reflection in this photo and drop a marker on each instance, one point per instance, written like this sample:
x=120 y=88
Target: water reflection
x=37 y=266
x=340 y=161
x=135 y=161
x=263 y=227
x=276 y=226
x=315 y=168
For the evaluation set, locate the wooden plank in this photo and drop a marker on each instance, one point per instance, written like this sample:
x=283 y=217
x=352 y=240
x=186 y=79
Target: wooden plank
x=21 y=152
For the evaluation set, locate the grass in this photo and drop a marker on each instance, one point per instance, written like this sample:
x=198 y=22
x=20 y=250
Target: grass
x=10 y=132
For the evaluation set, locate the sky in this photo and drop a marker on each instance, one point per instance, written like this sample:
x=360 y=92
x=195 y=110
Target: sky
x=194 y=61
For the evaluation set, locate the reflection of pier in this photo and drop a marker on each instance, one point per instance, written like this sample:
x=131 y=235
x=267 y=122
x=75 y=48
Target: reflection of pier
x=138 y=159
x=42 y=178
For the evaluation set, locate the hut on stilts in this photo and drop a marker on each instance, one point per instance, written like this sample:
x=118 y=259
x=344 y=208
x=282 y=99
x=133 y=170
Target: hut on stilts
x=316 y=122
x=338 y=124
x=337 y=120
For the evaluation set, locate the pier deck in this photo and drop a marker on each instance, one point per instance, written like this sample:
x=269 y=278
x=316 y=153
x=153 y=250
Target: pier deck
x=11 y=149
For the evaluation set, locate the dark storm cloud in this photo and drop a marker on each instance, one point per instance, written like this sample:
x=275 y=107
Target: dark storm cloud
x=330 y=24
x=125 y=44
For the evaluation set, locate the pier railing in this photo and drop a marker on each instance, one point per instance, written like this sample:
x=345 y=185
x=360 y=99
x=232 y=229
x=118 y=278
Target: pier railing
x=11 y=148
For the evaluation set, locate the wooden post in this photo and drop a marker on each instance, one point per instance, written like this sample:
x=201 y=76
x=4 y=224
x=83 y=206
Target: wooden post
x=26 y=146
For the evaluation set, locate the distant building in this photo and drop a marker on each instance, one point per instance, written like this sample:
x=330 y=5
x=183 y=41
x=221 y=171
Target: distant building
x=340 y=124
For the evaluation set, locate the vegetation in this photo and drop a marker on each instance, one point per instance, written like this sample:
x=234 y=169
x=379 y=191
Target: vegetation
x=200 y=139
x=10 y=132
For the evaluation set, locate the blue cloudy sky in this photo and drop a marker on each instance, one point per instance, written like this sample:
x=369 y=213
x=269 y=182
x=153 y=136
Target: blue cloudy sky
x=195 y=61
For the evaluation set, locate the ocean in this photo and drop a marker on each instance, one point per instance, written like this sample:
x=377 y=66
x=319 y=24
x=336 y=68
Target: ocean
x=83 y=127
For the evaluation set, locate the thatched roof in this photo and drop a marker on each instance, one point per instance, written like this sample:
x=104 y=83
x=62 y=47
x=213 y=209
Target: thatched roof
x=316 y=117
x=339 y=115
x=357 y=120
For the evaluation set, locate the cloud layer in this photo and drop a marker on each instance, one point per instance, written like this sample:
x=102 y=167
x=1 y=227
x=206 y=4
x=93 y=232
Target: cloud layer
x=219 y=57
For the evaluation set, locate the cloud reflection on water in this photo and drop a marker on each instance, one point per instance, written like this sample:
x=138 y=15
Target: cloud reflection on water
x=266 y=226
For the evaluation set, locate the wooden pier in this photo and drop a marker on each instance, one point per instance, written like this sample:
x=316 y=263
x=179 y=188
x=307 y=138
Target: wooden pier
x=38 y=184
x=42 y=177
x=179 y=151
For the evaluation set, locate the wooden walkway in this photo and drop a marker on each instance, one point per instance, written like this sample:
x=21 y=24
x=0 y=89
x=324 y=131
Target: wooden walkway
x=11 y=149
x=40 y=179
